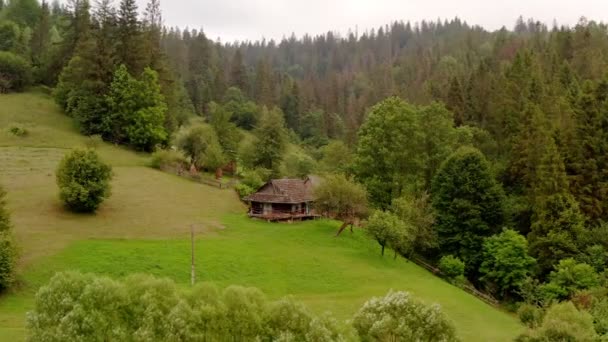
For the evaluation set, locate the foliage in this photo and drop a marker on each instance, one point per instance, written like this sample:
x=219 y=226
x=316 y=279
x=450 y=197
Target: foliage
x=136 y=110
x=15 y=72
x=227 y=132
x=340 y=197
x=417 y=214
x=83 y=180
x=387 y=230
x=297 y=164
x=8 y=251
x=563 y=322
x=271 y=140
x=168 y=160
x=530 y=315
x=201 y=145
x=506 y=263
x=146 y=308
x=337 y=157
x=568 y=278
x=381 y=160
x=468 y=205
x=399 y=317
x=453 y=269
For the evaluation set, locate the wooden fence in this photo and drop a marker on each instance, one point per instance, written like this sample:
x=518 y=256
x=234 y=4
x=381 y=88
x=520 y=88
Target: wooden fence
x=468 y=288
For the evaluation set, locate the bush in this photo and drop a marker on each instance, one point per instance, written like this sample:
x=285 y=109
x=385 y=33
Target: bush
x=83 y=180
x=399 y=317
x=530 y=315
x=8 y=260
x=94 y=141
x=143 y=308
x=563 y=322
x=18 y=131
x=169 y=161
x=15 y=72
x=568 y=278
x=8 y=252
x=453 y=269
x=244 y=190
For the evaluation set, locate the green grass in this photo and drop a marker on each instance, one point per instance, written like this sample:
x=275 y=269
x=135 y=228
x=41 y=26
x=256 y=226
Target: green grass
x=144 y=227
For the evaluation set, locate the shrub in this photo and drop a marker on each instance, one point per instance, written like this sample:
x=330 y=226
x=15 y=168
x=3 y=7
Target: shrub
x=144 y=308
x=568 y=278
x=18 y=131
x=8 y=260
x=94 y=141
x=8 y=252
x=530 y=315
x=83 y=180
x=399 y=317
x=244 y=190
x=168 y=160
x=453 y=269
x=599 y=311
x=563 y=322
x=15 y=72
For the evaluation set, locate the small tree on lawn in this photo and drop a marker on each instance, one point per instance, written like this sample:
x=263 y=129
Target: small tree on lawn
x=83 y=180
x=341 y=198
x=388 y=230
x=399 y=317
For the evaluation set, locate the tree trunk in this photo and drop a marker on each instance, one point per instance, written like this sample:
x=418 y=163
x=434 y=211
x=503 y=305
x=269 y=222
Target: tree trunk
x=382 y=250
x=219 y=173
x=342 y=227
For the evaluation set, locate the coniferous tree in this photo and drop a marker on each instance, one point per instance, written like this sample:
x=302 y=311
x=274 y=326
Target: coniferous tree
x=588 y=159
x=130 y=40
x=238 y=73
x=557 y=224
x=41 y=39
x=264 y=89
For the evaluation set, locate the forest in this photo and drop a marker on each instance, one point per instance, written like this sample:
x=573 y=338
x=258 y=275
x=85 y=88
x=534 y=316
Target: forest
x=482 y=153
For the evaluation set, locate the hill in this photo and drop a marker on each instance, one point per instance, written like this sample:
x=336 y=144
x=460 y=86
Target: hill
x=144 y=227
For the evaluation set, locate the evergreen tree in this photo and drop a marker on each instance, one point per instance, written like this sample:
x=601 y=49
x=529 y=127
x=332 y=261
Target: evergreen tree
x=557 y=223
x=468 y=204
x=588 y=157
x=41 y=38
x=130 y=40
x=238 y=73
x=23 y=12
x=290 y=105
x=264 y=85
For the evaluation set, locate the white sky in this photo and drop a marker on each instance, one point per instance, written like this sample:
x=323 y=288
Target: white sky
x=254 y=19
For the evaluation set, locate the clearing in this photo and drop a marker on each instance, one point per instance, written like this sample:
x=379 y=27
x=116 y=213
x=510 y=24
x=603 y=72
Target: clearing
x=144 y=227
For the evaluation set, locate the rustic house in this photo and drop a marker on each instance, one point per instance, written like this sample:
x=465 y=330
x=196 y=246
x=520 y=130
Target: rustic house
x=283 y=199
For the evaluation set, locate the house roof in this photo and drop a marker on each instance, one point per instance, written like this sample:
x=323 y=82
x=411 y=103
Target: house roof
x=289 y=191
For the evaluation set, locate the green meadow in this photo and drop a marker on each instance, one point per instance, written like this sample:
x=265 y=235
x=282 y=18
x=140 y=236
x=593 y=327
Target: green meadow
x=145 y=228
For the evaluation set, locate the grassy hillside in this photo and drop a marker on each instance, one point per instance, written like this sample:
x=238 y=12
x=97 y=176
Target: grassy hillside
x=144 y=227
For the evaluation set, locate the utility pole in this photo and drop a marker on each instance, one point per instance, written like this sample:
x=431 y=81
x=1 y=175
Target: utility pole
x=192 y=271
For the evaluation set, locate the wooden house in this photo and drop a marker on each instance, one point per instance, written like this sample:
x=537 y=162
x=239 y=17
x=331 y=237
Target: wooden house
x=283 y=199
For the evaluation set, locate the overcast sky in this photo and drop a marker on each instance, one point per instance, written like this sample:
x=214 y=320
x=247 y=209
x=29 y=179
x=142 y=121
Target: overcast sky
x=254 y=19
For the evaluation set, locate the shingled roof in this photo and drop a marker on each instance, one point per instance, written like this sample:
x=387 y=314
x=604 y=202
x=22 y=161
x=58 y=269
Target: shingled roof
x=289 y=191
